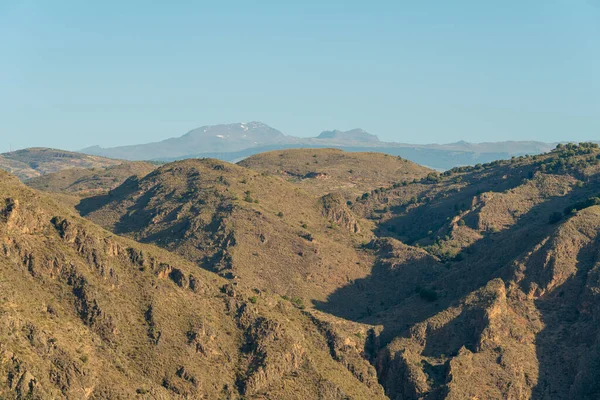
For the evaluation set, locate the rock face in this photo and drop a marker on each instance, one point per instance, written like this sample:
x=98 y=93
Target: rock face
x=338 y=213
x=506 y=340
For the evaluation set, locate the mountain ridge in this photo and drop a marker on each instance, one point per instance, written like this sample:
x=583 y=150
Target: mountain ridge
x=471 y=278
x=36 y=161
x=87 y=314
x=227 y=142
x=279 y=276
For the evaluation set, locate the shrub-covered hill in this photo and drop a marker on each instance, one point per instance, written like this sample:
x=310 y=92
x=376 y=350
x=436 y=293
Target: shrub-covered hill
x=255 y=228
x=87 y=314
x=486 y=280
x=480 y=282
x=85 y=182
x=322 y=171
x=37 y=161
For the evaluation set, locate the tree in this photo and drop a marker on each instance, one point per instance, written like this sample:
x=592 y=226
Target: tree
x=555 y=217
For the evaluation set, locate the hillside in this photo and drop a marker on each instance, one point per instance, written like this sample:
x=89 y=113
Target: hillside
x=479 y=282
x=85 y=182
x=256 y=228
x=468 y=279
x=469 y=284
x=322 y=171
x=485 y=280
x=87 y=314
x=34 y=162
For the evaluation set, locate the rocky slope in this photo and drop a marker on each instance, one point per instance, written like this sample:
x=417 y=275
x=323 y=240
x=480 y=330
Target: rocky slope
x=34 y=162
x=480 y=282
x=255 y=228
x=87 y=314
x=496 y=295
x=85 y=182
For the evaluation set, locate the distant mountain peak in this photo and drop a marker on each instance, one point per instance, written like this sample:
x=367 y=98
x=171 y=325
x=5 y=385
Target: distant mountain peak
x=235 y=141
x=258 y=130
x=355 y=135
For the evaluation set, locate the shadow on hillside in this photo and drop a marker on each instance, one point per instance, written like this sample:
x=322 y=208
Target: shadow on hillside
x=131 y=218
x=89 y=205
x=398 y=295
x=568 y=348
x=417 y=223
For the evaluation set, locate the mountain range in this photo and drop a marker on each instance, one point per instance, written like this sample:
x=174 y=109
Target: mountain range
x=304 y=274
x=233 y=142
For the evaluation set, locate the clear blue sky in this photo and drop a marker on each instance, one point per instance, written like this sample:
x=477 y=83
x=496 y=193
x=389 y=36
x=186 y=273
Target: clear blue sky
x=79 y=73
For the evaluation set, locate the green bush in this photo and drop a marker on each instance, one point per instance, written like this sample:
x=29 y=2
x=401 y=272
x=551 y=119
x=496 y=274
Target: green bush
x=589 y=202
x=298 y=302
x=433 y=177
x=427 y=294
x=555 y=217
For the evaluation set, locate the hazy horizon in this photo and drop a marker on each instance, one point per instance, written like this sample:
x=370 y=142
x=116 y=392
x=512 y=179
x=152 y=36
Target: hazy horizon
x=13 y=148
x=114 y=74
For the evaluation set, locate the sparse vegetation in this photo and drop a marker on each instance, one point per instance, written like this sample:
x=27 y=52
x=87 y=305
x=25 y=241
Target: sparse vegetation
x=444 y=267
x=298 y=302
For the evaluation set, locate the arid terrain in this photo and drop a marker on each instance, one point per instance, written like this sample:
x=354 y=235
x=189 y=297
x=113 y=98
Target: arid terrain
x=303 y=274
x=34 y=162
x=86 y=182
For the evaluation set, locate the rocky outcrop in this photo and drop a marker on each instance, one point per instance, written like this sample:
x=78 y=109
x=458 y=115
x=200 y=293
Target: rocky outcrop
x=338 y=213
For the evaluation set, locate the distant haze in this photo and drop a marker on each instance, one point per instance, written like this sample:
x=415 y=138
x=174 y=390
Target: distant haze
x=234 y=142
x=78 y=74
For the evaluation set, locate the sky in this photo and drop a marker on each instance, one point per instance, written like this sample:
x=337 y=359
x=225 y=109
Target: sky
x=81 y=73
